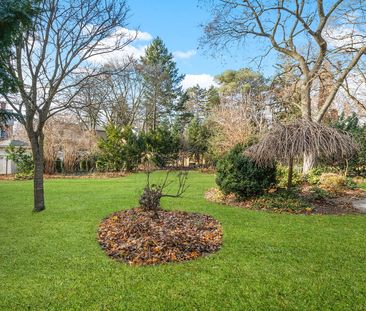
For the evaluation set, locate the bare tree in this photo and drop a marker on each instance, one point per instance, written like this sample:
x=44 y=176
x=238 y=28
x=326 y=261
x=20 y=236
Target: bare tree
x=307 y=32
x=115 y=97
x=54 y=58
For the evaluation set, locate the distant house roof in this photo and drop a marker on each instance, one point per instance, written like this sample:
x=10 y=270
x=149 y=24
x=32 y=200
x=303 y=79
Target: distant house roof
x=15 y=142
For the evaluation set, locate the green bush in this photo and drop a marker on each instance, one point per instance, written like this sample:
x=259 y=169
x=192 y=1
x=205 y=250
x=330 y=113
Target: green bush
x=163 y=143
x=357 y=129
x=318 y=194
x=121 y=150
x=23 y=161
x=350 y=184
x=313 y=177
x=237 y=174
x=282 y=176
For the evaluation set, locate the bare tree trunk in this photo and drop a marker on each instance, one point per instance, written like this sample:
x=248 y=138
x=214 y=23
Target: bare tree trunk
x=309 y=159
x=37 y=150
x=309 y=162
x=290 y=173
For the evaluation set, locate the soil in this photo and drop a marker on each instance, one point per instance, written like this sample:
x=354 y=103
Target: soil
x=147 y=238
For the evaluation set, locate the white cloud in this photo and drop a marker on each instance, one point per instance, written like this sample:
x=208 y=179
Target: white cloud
x=135 y=49
x=203 y=80
x=184 y=55
x=344 y=37
x=140 y=35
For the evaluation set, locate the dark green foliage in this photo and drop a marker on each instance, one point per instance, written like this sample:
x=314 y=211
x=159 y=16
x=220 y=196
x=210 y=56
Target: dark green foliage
x=352 y=125
x=162 y=81
x=121 y=150
x=318 y=194
x=237 y=174
x=163 y=144
x=15 y=17
x=197 y=139
x=5 y=116
x=282 y=176
x=23 y=161
x=282 y=200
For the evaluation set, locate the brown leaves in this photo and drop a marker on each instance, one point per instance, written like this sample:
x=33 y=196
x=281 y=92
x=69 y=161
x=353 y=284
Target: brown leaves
x=144 y=238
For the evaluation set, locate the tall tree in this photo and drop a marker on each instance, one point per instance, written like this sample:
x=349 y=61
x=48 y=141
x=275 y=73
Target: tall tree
x=308 y=32
x=197 y=103
x=248 y=90
x=49 y=64
x=163 y=87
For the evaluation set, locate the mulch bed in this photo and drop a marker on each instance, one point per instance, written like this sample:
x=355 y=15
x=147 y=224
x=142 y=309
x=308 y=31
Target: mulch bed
x=341 y=204
x=147 y=238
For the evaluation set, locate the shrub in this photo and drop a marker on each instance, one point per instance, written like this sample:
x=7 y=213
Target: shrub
x=282 y=201
x=313 y=177
x=238 y=174
x=350 y=184
x=357 y=129
x=163 y=143
x=23 y=161
x=318 y=194
x=121 y=150
x=332 y=182
x=282 y=176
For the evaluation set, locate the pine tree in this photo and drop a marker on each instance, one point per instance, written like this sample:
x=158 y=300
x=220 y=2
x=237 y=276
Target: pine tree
x=163 y=87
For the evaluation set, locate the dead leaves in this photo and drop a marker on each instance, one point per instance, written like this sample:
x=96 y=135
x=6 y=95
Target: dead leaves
x=144 y=238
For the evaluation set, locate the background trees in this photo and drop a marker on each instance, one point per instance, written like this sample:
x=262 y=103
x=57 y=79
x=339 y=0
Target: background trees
x=48 y=64
x=326 y=36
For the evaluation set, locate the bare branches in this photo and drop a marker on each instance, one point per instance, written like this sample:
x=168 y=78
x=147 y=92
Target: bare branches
x=182 y=187
x=150 y=198
x=308 y=32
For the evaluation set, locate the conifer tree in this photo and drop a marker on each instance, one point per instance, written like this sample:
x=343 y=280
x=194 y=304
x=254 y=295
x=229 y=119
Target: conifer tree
x=163 y=88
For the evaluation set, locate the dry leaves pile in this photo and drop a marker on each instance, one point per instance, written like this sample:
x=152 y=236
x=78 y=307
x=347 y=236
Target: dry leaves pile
x=144 y=238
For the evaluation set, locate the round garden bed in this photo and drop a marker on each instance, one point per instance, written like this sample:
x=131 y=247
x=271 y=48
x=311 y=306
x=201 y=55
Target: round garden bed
x=138 y=237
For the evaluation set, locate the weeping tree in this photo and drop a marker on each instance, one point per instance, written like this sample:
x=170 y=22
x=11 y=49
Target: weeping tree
x=288 y=143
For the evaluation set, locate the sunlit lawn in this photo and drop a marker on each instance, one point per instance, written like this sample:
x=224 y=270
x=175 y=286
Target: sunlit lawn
x=52 y=261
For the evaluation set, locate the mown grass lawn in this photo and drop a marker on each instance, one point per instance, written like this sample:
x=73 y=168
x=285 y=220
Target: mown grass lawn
x=52 y=261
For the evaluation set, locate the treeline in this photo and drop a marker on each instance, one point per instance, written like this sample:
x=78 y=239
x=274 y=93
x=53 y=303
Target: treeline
x=145 y=113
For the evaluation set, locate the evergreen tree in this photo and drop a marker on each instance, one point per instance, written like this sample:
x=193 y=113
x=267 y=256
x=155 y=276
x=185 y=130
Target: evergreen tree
x=15 y=18
x=162 y=81
x=198 y=135
x=197 y=101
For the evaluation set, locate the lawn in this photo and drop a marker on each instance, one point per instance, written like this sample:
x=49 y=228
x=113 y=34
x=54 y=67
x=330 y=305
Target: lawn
x=52 y=261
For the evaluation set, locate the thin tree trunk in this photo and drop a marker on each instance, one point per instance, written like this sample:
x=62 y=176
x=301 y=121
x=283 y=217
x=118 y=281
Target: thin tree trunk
x=290 y=173
x=309 y=159
x=309 y=162
x=37 y=150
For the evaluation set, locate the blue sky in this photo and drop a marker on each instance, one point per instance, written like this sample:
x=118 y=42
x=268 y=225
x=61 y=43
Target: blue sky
x=177 y=23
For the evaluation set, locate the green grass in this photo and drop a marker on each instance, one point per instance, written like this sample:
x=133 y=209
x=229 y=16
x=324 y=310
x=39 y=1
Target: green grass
x=52 y=261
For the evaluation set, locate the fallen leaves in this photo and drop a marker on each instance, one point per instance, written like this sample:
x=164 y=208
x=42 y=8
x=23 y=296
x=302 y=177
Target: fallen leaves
x=144 y=238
